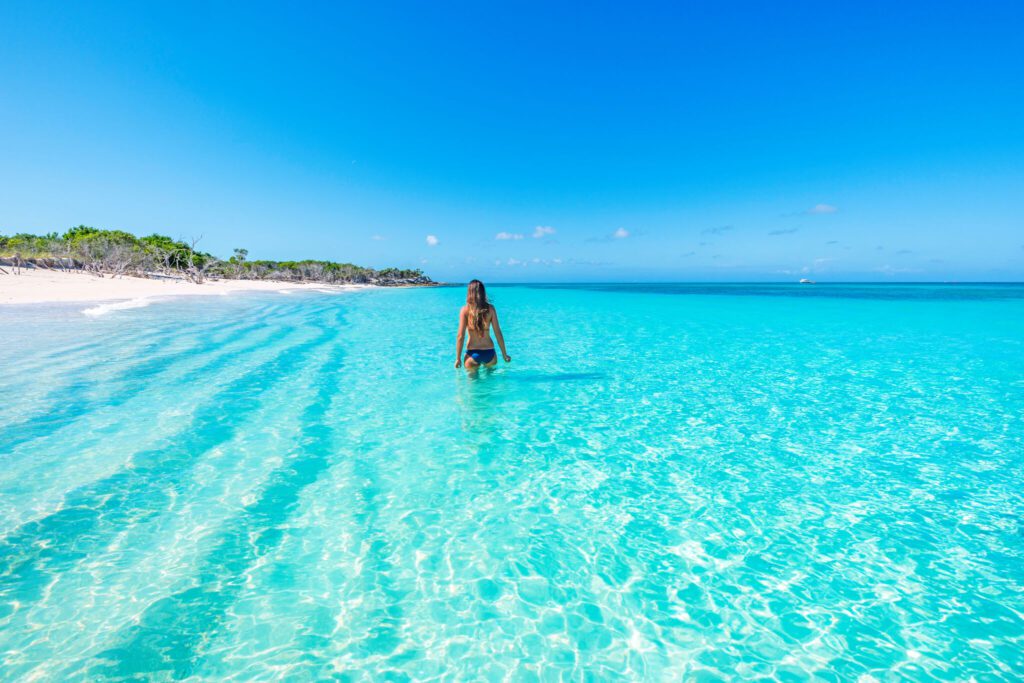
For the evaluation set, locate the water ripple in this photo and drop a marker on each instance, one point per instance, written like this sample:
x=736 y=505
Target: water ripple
x=741 y=485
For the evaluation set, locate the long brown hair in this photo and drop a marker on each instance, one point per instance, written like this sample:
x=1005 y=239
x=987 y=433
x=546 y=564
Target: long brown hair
x=479 y=307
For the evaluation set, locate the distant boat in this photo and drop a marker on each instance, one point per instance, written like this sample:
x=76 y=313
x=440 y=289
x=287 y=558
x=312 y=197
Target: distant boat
x=805 y=281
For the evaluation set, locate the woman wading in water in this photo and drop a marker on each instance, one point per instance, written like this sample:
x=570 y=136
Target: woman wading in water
x=477 y=316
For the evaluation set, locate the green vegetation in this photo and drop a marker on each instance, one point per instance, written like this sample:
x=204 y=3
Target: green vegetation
x=114 y=253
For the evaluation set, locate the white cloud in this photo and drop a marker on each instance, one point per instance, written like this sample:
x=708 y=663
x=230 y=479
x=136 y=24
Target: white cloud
x=890 y=270
x=819 y=266
x=542 y=262
x=508 y=236
x=542 y=231
x=432 y=241
x=719 y=230
x=515 y=262
x=821 y=208
x=618 y=234
x=377 y=238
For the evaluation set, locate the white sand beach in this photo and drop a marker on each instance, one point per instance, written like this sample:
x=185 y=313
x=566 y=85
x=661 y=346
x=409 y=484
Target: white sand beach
x=35 y=286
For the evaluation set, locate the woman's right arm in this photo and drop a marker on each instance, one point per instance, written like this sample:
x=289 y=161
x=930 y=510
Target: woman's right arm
x=461 y=338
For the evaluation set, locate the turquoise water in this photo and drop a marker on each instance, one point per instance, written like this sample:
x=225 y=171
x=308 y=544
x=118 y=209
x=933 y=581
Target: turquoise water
x=667 y=483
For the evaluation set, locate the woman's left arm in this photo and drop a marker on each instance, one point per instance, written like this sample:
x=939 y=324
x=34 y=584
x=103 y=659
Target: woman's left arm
x=498 y=335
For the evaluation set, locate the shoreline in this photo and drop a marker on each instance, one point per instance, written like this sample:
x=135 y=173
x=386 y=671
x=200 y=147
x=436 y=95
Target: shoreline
x=39 y=286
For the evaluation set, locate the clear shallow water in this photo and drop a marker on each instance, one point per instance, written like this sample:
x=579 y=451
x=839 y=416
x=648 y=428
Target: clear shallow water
x=669 y=482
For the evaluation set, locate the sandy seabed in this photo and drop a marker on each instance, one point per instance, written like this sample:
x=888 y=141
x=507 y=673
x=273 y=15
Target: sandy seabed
x=38 y=286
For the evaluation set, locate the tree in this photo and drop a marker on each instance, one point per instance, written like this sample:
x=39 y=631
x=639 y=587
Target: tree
x=116 y=252
x=238 y=261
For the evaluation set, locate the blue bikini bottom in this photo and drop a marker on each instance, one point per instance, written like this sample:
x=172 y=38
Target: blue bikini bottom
x=481 y=356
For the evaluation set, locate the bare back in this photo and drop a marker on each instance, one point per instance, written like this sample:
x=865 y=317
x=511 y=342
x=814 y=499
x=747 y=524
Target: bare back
x=480 y=349
x=478 y=339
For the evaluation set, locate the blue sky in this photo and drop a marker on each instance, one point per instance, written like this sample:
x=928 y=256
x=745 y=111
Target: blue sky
x=603 y=141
